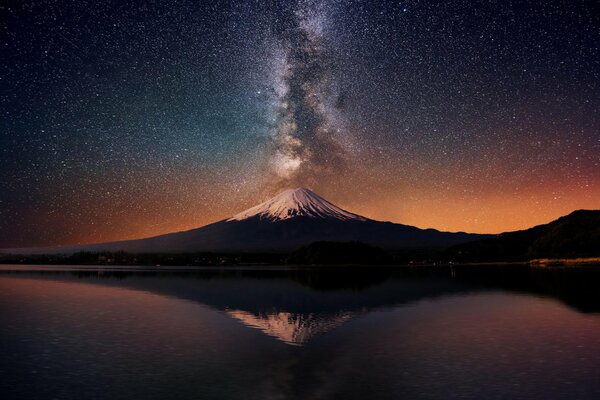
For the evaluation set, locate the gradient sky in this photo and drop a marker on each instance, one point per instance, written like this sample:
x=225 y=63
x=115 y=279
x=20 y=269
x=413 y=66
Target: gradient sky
x=122 y=120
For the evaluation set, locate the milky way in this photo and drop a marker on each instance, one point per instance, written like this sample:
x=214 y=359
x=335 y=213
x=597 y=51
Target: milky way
x=307 y=139
x=124 y=119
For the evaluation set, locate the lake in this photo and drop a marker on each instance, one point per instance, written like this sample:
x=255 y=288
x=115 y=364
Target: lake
x=487 y=332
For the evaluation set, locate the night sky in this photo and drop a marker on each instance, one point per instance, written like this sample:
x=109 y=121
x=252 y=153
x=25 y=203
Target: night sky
x=128 y=119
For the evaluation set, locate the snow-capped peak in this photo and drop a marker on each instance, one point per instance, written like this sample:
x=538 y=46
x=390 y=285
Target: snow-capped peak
x=295 y=203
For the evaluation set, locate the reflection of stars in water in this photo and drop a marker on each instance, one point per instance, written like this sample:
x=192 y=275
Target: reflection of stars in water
x=121 y=121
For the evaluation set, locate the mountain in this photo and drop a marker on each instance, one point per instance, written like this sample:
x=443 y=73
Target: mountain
x=292 y=219
x=574 y=235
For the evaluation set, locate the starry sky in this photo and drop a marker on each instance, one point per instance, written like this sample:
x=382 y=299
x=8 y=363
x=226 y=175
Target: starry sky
x=125 y=119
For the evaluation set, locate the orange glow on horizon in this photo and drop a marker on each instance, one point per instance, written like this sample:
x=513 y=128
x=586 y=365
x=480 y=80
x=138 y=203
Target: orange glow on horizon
x=492 y=214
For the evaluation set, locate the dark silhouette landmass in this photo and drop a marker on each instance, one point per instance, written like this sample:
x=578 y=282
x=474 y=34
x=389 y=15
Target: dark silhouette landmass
x=576 y=235
x=256 y=235
x=573 y=236
x=340 y=253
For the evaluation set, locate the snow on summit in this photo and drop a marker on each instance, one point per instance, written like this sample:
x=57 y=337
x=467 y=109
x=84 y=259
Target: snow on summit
x=295 y=203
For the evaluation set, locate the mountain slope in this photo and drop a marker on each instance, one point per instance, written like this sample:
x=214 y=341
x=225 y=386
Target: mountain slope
x=574 y=235
x=288 y=221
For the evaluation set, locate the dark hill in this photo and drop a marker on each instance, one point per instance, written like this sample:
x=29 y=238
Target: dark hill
x=574 y=235
x=349 y=253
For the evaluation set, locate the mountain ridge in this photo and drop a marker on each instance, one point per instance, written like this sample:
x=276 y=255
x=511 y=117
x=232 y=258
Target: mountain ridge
x=576 y=234
x=289 y=220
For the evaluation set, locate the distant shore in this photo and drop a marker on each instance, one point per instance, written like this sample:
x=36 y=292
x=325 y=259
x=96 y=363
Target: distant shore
x=593 y=262
x=564 y=262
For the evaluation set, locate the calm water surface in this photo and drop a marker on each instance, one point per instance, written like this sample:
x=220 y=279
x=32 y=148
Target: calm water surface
x=275 y=333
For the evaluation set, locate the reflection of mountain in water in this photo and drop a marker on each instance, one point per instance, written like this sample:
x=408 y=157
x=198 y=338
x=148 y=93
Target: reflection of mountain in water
x=292 y=305
x=298 y=305
x=291 y=328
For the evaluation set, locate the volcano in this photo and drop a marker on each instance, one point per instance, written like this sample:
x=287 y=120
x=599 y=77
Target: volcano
x=292 y=219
